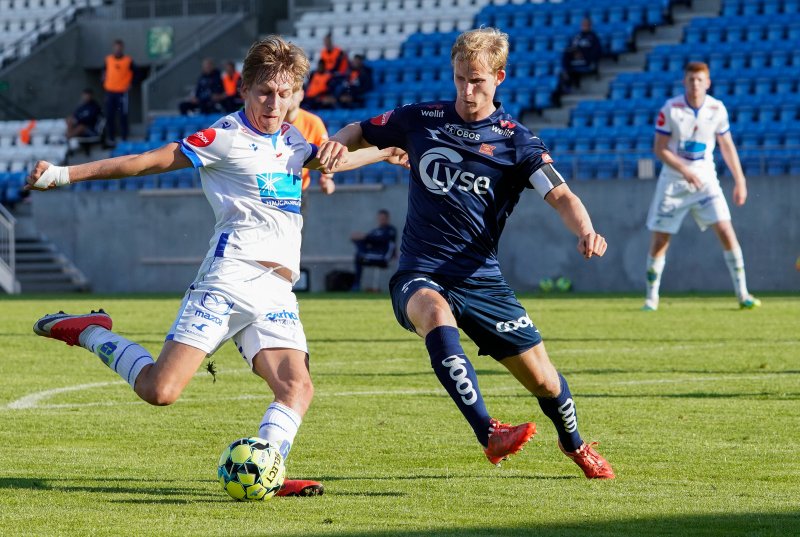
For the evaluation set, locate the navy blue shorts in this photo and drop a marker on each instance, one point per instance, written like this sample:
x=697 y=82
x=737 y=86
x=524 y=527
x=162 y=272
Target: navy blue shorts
x=485 y=308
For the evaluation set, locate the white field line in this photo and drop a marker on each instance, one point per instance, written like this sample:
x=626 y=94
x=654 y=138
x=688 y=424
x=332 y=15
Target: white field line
x=34 y=401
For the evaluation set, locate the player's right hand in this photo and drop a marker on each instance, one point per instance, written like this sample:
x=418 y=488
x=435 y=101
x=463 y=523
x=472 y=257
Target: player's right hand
x=693 y=180
x=35 y=174
x=592 y=244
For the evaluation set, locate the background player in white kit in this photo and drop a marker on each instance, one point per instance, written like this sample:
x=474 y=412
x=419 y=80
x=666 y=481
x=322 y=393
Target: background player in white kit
x=687 y=130
x=250 y=164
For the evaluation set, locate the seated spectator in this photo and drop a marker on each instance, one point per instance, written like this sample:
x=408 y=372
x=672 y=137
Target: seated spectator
x=318 y=89
x=350 y=93
x=581 y=57
x=376 y=248
x=84 y=121
x=208 y=92
x=231 y=84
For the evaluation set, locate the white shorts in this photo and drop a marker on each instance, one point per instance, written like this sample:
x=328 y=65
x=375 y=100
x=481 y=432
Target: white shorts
x=241 y=300
x=675 y=198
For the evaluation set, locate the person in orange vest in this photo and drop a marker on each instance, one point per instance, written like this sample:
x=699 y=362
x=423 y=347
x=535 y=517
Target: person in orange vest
x=334 y=58
x=313 y=130
x=318 y=90
x=117 y=80
x=231 y=83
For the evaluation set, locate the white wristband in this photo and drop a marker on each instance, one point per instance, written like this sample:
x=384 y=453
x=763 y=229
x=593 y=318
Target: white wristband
x=55 y=175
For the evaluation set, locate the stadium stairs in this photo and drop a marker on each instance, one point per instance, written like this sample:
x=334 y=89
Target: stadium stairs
x=597 y=88
x=41 y=267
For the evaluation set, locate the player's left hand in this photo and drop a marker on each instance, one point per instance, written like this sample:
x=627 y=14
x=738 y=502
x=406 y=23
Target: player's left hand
x=592 y=244
x=326 y=183
x=331 y=154
x=739 y=195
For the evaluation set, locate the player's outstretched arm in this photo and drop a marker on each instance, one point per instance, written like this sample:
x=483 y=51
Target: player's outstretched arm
x=576 y=218
x=351 y=136
x=164 y=159
x=731 y=158
x=333 y=156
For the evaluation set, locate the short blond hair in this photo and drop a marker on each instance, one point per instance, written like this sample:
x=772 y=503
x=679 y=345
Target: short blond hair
x=486 y=45
x=268 y=58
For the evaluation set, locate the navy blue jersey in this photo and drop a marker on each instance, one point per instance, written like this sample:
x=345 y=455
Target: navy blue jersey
x=466 y=178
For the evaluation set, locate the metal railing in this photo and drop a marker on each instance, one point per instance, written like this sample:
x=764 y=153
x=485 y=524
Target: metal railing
x=41 y=31
x=8 y=265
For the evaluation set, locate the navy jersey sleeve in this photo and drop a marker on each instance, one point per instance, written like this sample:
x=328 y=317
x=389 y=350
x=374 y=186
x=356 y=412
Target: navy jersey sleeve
x=536 y=165
x=388 y=129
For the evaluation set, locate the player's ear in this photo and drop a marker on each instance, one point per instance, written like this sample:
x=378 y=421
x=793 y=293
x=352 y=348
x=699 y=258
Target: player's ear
x=499 y=77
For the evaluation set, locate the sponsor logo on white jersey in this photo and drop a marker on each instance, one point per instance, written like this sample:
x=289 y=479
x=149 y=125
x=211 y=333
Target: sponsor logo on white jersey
x=283 y=317
x=440 y=177
x=217 y=303
x=208 y=317
x=510 y=326
x=458 y=372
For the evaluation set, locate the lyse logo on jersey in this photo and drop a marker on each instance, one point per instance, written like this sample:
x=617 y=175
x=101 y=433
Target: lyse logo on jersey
x=661 y=120
x=382 y=119
x=439 y=178
x=546 y=158
x=202 y=138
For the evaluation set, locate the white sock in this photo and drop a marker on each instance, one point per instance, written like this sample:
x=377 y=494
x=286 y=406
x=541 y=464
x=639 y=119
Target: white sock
x=124 y=357
x=279 y=427
x=735 y=262
x=655 y=267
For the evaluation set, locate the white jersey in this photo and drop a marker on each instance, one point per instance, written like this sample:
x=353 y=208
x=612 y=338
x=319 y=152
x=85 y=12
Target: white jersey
x=253 y=182
x=693 y=134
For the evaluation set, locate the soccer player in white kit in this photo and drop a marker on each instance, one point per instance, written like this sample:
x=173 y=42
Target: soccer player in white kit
x=250 y=165
x=687 y=129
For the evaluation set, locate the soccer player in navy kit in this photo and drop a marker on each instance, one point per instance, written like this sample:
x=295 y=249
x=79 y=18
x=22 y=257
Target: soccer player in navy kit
x=470 y=161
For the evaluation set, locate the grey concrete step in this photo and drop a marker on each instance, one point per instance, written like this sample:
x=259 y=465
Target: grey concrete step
x=52 y=287
x=34 y=257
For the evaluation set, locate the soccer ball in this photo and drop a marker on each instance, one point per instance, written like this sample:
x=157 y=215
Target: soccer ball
x=251 y=469
x=546 y=284
x=564 y=284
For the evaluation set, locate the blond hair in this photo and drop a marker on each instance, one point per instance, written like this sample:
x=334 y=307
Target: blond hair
x=696 y=67
x=272 y=57
x=485 y=45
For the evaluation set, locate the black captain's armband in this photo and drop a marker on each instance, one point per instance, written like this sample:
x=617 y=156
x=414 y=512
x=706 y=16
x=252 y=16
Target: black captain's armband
x=545 y=179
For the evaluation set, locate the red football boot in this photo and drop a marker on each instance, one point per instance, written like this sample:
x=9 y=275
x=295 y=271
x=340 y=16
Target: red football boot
x=67 y=328
x=506 y=439
x=301 y=487
x=593 y=464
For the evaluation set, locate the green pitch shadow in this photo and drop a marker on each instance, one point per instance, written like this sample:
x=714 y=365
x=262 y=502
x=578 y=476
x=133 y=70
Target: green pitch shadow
x=148 y=488
x=762 y=524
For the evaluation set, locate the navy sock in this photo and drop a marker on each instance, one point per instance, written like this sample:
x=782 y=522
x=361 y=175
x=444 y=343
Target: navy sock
x=456 y=374
x=561 y=411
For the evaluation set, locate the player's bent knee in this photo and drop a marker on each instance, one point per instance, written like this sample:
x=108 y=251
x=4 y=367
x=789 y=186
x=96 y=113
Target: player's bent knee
x=159 y=394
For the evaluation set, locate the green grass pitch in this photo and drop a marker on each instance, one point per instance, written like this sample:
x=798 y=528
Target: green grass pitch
x=697 y=406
